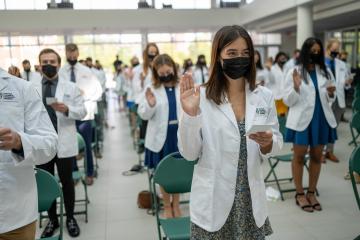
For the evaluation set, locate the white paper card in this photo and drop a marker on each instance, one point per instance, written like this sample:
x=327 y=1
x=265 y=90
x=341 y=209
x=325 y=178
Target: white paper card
x=50 y=100
x=258 y=128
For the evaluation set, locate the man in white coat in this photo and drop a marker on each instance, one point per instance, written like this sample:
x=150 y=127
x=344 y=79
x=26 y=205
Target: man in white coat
x=26 y=138
x=65 y=105
x=27 y=74
x=92 y=91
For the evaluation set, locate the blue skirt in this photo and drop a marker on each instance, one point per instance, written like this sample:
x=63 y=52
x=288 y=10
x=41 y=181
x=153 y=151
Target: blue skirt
x=152 y=159
x=317 y=133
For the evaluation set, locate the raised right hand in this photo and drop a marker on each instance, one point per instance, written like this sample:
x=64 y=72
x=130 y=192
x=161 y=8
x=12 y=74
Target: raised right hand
x=150 y=97
x=296 y=80
x=189 y=95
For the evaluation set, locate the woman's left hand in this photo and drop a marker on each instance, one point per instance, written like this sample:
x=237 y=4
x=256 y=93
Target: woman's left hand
x=264 y=139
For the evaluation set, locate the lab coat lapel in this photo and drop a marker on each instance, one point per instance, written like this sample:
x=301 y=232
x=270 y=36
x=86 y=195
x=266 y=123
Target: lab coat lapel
x=251 y=104
x=227 y=110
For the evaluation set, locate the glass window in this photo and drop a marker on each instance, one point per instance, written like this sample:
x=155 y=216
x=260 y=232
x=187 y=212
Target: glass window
x=107 y=38
x=51 y=39
x=79 y=39
x=159 y=37
x=2 y=5
x=130 y=38
x=183 y=37
x=4 y=41
x=20 y=53
x=20 y=4
x=23 y=40
x=5 y=58
x=203 y=36
x=272 y=51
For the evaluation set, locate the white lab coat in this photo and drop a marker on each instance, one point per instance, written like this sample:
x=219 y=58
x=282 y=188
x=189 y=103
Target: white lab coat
x=262 y=75
x=23 y=111
x=213 y=137
x=69 y=94
x=136 y=82
x=341 y=75
x=101 y=76
x=33 y=76
x=302 y=104
x=276 y=81
x=89 y=85
x=289 y=65
x=157 y=116
x=198 y=77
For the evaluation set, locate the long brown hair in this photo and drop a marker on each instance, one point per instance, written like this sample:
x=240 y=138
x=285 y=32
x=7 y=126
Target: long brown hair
x=218 y=85
x=146 y=63
x=160 y=60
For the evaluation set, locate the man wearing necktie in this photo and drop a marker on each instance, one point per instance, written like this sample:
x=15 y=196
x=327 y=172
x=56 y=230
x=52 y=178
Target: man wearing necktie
x=64 y=104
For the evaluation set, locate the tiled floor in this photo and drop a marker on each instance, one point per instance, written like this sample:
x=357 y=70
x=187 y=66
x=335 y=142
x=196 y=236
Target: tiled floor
x=114 y=215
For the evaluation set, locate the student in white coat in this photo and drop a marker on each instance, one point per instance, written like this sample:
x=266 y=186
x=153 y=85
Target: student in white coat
x=309 y=92
x=343 y=80
x=262 y=74
x=292 y=61
x=68 y=107
x=276 y=83
x=27 y=74
x=201 y=71
x=27 y=137
x=228 y=198
x=92 y=91
x=160 y=106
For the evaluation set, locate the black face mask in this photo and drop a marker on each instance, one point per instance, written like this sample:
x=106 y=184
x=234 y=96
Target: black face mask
x=72 y=62
x=168 y=78
x=27 y=69
x=282 y=62
x=315 y=58
x=49 y=70
x=135 y=64
x=344 y=59
x=236 y=68
x=334 y=54
x=151 y=57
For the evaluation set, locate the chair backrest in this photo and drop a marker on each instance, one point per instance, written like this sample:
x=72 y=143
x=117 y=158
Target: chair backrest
x=354 y=166
x=81 y=142
x=356 y=105
x=48 y=189
x=355 y=121
x=282 y=123
x=174 y=174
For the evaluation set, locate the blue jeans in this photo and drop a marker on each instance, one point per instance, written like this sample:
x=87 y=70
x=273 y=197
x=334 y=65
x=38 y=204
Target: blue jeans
x=85 y=130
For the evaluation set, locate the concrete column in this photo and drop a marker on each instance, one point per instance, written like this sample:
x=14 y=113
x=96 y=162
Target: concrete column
x=305 y=28
x=144 y=39
x=214 y=4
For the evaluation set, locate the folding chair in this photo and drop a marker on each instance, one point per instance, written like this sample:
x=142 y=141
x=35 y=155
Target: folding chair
x=49 y=191
x=355 y=128
x=356 y=105
x=275 y=160
x=354 y=166
x=175 y=176
x=77 y=176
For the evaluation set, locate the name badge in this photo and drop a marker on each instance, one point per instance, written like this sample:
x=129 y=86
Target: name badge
x=8 y=97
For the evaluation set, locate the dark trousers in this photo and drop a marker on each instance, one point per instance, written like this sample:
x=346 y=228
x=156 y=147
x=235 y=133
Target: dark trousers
x=65 y=168
x=86 y=131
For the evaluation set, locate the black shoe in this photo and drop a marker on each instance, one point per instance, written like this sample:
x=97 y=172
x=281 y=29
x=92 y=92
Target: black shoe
x=50 y=229
x=72 y=227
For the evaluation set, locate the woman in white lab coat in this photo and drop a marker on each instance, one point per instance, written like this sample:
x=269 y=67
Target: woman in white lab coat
x=276 y=83
x=228 y=192
x=160 y=106
x=309 y=92
x=262 y=74
x=201 y=72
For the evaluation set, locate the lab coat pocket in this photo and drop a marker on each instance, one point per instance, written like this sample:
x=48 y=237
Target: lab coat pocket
x=201 y=191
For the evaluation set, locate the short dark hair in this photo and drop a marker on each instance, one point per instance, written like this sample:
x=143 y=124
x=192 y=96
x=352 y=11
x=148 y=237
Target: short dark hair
x=217 y=85
x=71 y=47
x=25 y=62
x=89 y=59
x=49 y=50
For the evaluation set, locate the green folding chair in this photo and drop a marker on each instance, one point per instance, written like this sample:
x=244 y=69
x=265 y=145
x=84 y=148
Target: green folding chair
x=355 y=128
x=95 y=145
x=354 y=166
x=275 y=160
x=49 y=191
x=174 y=174
x=356 y=105
x=78 y=176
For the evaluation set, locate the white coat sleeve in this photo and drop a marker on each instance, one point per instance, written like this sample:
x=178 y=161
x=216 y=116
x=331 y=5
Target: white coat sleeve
x=39 y=139
x=277 y=136
x=333 y=83
x=77 y=110
x=291 y=97
x=94 y=91
x=145 y=111
x=189 y=136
